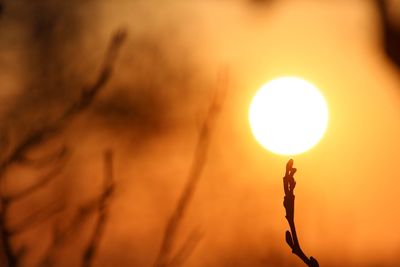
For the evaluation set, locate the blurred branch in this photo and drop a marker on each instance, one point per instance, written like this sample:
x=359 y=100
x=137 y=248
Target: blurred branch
x=186 y=249
x=165 y=258
x=61 y=236
x=291 y=236
x=391 y=32
x=44 y=160
x=87 y=97
x=36 y=217
x=42 y=182
x=91 y=91
x=108 y=190
x=19 y=153
x=12 y=259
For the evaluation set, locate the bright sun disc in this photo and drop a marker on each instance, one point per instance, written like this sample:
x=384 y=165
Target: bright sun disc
x=288 y=116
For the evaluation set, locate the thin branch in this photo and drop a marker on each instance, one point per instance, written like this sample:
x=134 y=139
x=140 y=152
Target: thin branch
x=87 y=97
x=35 y=139
x=36 y=217
x=12 y=259
x=49 y=255
x=98 y=204
x=42 y=182
x=61 y=236
x=164 y=257
x=291 y=236
x=186 y=249
x=108 y=190
x=44 y=160
x=90 y=92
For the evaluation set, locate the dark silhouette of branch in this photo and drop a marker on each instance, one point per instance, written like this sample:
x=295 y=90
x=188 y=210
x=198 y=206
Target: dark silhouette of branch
x=291 y=236
x=12 y=259
x=44 y=160
x=61 y=236
x=7 y=232
x=391 y=32
x=19 y=154
x=35 y=218
x=87 y=97
x=42 y=182
x=108 y=189
x=99 y=204
x=165 y=257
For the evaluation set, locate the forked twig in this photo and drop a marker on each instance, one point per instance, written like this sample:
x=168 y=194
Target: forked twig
x=291 y=236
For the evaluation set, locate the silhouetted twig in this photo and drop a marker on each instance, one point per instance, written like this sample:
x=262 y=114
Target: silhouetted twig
x=165 y=257
x=291 y=236
x=97 y=234
x=19 y=154
x=391 y=32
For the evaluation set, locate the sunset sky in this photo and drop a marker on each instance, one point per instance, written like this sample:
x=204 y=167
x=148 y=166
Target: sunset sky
x=152 y=109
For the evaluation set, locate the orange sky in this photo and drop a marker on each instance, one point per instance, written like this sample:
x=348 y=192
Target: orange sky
x=347 y=184
x=346 y=204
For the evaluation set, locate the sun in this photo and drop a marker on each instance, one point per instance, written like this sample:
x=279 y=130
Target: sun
x=288 y=116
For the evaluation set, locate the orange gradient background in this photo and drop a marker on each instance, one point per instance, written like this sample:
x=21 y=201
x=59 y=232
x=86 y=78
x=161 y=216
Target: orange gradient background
x=347 y=196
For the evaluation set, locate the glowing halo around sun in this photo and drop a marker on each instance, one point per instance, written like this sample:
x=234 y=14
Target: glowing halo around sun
x=288 y=116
